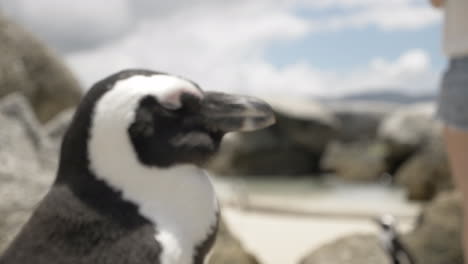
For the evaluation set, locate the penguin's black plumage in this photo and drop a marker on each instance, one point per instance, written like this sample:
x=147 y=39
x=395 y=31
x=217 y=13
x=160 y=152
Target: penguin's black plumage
x=129 y=187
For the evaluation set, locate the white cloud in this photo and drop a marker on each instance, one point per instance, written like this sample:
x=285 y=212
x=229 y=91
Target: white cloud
x=193 y=42
x=72 y=25
x=411 y=73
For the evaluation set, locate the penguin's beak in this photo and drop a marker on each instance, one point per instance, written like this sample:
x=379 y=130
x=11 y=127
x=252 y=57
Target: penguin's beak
x=229 y=113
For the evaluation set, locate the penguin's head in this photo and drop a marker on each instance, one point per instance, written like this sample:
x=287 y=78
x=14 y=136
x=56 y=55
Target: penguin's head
x=151 y=119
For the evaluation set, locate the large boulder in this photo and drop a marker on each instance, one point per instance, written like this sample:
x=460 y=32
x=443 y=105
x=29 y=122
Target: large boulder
x=262 y=153
x=426 y=173
x=437 y=237
x=28 y=67
x=356 y=161
x=407 y=130
x=55 y=129
x=25 y=173
x=353 y=249
x=228 y=250
x=359 y=120
x=293 y=146
x=305 y=123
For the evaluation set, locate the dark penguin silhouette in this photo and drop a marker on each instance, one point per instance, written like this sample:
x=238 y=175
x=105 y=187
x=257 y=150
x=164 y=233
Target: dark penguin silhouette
x=129 y=187
x=391 y=242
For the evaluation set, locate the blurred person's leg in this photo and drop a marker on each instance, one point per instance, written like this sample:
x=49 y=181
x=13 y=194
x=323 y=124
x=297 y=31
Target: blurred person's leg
x=453 y=112
x=456 y=142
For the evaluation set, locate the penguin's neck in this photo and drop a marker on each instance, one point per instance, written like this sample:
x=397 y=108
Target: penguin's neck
x=179 y=201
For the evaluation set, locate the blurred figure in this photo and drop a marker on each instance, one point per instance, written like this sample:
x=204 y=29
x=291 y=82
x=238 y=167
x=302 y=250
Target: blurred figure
x=390 y=241
x=453 y=97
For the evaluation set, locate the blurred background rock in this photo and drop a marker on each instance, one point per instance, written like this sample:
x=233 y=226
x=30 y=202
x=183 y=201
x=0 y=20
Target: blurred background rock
x=27 y=66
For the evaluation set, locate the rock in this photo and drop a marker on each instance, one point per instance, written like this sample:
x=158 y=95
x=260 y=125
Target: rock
x=426 y=173
x=410 y=126
x=437 y=237
x=228 y=250
x=357 y=161
x=359 y=120
x=406 y=130
x=55 y=129
x=261 y=153
x=292 y=146
x=24 y=178
x=354 y=249
x=30 y=68
x=305 y=123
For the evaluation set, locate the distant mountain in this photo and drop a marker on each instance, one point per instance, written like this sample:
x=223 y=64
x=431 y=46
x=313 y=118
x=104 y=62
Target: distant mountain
x=389 y=97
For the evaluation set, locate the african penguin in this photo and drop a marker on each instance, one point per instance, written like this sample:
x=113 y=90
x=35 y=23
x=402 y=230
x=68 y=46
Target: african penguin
x=391 y=242
x=130 y=187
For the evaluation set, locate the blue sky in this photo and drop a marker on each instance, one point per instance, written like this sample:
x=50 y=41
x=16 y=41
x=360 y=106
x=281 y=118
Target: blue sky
x=343 y=50
x=273 y=47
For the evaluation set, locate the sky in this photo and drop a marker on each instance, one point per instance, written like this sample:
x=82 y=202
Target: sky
x=301 y=48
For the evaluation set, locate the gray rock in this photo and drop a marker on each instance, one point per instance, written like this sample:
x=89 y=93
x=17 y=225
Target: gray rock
x=406 y=130
x=437 y=237
x=30 y=68
x=24 y=178
x=15 y=106
x=354 y=249
x=411 y=126
x=359 y=120
x=261 y=153
x=228 y=250
x=307 y=124
x=55 y=129
x=426 y=173
x=357 y=161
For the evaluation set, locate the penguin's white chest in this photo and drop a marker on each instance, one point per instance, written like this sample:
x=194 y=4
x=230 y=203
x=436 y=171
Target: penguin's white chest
x=185 y=216
x=181 y=203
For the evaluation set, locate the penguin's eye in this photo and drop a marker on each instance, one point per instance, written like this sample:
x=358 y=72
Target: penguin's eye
x=190 y=103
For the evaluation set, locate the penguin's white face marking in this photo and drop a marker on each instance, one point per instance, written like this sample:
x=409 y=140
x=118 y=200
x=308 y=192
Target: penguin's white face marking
x=167 y=89
x=180 y=199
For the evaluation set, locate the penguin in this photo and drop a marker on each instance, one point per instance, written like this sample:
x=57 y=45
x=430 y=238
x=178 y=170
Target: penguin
x=130 y=186
x=391 y=242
